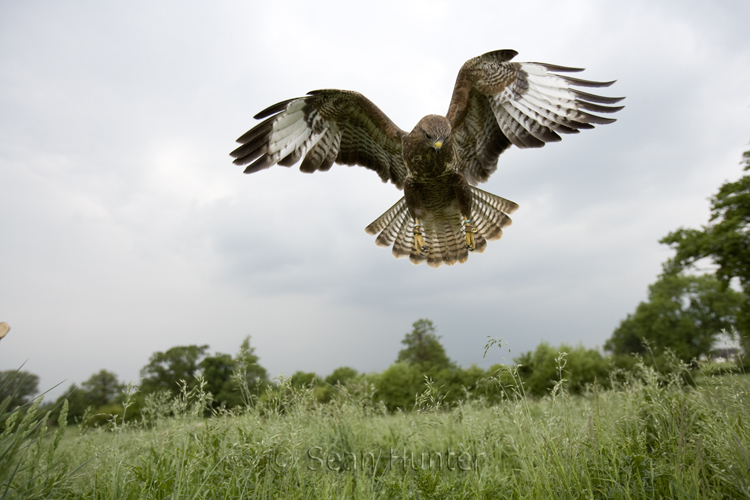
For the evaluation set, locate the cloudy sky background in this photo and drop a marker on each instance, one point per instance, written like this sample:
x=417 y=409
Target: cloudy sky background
x=125 y=229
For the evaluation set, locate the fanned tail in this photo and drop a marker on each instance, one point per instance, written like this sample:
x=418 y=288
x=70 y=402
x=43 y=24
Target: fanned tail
x=489 y=214
x=443 y=231
x=389 y=224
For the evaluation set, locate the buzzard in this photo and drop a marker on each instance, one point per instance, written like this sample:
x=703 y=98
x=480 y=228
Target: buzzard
x=442 y=216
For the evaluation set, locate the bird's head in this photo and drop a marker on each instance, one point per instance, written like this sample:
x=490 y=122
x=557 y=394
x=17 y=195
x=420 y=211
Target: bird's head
x=434 y=131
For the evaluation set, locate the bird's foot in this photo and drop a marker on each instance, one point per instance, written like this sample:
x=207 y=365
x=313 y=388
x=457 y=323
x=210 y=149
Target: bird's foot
x=419 y=242
x=469 y=230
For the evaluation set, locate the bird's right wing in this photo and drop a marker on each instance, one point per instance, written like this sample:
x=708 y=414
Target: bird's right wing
x=323 y=128
x=497 y=103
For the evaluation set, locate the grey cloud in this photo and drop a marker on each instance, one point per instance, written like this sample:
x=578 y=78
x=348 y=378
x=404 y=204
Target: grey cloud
x=125 y=229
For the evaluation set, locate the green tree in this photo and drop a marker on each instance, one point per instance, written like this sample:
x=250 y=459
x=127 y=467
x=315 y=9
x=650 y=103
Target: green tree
x=423 y=348
x=682 y=313
x=424 y=355
x=458 y=383
x=399 y=385
x=101 y=389
x=256 y=377
x=18 y=385
x=342 y=375
x=76 y=404
x=100 y=394
x=302 y=379
x=165 y=370
x=725 y=239
x=218 y=371
x=542 y=369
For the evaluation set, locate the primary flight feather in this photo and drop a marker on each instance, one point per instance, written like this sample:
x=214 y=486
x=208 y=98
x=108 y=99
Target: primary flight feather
x=442 y=216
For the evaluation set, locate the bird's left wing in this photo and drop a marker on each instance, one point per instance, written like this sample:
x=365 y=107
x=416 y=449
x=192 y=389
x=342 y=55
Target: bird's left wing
x=497 y=103
x=324 y=127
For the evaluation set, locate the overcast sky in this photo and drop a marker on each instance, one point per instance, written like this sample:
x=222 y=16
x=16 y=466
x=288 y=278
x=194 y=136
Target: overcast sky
x=125 y=229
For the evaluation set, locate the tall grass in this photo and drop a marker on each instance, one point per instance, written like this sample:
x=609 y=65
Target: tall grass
x=28 y=465
x=648 y=436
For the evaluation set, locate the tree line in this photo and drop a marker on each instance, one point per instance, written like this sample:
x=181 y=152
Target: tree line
x=684 y=313
x=234 y=381
x=693 y=300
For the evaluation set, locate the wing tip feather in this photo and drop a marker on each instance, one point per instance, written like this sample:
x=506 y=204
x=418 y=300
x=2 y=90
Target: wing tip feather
x=274 y=108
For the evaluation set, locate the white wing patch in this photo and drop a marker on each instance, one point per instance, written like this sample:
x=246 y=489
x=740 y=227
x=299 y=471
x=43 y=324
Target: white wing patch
x=539 y=104
x=292 y=134
x=324 y=127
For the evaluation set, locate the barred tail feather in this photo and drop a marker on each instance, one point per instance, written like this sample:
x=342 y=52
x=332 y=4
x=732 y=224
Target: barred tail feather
x=445 y=242
x=385 y=222
x=395 y=227
x=489 y=214
x=404 y=244
x=443 y=231
x=443 y=236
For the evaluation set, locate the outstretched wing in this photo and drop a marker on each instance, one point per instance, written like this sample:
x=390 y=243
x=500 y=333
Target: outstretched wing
x=324 y=127
x=497 y=103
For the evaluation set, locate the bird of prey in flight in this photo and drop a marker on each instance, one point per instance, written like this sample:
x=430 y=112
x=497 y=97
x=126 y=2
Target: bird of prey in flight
x=442 y=216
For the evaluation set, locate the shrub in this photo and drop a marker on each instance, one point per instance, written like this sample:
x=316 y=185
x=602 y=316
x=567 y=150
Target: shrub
x=542 y=369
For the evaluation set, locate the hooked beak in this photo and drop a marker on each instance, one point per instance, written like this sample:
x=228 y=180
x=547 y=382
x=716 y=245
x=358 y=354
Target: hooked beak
x=437 y=145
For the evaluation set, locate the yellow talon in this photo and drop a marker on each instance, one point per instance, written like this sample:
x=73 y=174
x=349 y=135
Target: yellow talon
x=419 y=242
x=470 y=243
x=470 y=240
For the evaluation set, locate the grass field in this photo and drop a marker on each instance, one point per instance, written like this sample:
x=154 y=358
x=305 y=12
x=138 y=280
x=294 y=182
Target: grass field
x=649 y=436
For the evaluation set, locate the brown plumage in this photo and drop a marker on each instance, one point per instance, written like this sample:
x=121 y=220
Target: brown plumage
x=442 y=216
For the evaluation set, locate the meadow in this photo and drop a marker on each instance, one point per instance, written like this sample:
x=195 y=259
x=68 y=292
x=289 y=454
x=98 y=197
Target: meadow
x=648 y=435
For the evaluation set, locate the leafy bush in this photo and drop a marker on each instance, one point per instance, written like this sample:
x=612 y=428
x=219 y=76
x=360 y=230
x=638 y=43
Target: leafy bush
x=398 y=385
x=546 y=366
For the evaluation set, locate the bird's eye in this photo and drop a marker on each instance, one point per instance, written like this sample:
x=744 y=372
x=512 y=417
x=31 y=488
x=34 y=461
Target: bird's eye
x=429 y=137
